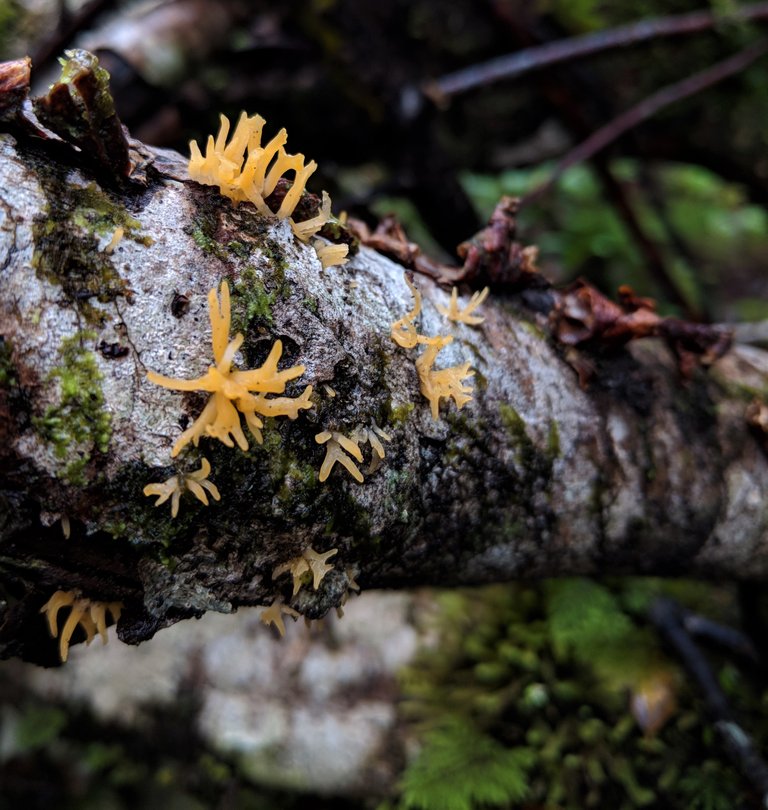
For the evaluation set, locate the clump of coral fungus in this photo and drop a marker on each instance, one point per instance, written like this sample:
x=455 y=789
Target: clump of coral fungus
x=90 y=615
x=195 y=482
x=453 y=313
x=339 y=448
x=235 y=392
x=310 y=564
x=436 y=384
x=243 y=169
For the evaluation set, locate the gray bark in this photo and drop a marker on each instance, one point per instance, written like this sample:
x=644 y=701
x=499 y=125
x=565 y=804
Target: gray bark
x=640 y=473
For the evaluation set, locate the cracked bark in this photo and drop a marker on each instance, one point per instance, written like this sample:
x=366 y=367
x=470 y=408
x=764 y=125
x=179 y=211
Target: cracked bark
x=535 y=477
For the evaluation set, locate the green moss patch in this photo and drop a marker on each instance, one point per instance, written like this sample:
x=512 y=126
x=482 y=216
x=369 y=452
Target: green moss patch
x=67 y=244
x=78 y=425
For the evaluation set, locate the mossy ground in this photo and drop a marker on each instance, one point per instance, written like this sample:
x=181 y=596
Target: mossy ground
x=547 y=669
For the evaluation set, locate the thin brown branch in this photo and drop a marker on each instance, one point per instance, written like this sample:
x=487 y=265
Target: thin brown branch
x=514 y=65
x=650 y=106
x=740 y=746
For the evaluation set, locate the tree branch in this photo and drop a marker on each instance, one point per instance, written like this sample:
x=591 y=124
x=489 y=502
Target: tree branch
x=650 y=106
x=514 y=65
x=535 y=477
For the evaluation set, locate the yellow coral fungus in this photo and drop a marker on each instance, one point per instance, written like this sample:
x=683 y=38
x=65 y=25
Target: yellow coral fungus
x=330 y=255
x=196 y=482
x=298 y=567
x=115 y=240
x=90 y=615
x=404 y=330
x=309 y=227
x=453 y=313
x=273 y=615
x=233 y=391
x=372 y=436
x=337 y=448
x=318 y=565
x=309 y=562
x=435 y=384
x=243 y=169
x=442 y=383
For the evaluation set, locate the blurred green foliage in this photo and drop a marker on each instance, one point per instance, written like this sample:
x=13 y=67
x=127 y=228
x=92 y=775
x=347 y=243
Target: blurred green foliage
x=580 y=234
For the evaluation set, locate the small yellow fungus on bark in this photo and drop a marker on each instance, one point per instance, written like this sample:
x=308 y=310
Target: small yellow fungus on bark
x=115 y=240
x=90 y=615
x=309 y=227
x=196 y=482
x=453 y=313
x=373 y=437
x=235 y=392
x=445 y=382
x=298 y=567
x=310 y=562
x=435 y=384
x=317 y=564
x=330 y=255
x=404 y=330
x=273 y=615
x=337 y=448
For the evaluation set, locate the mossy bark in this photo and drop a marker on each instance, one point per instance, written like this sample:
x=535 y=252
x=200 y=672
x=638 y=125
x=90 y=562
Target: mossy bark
x=640 y=473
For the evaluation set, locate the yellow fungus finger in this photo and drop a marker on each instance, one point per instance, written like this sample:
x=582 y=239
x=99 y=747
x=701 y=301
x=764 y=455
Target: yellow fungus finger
x=99 y=616
x=221 y=138
x=377 y=446
x=52 y=607
x=175 y=503
x=197 y=491
x=219 y=315
x=88 y=624
x=78 y=608
x=294 y=193
x=203 y=472
x=115 y=240
x=309 y=227
x=380 y=432
x=322 y=438
x=208 y=382
x=349 y=446
x=228 y=356
x=212 y=488
x=163 y=491
x=197 y=429
x=254 y=426
x=349 y=465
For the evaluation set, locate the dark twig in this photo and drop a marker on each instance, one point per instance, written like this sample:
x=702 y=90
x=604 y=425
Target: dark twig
x=726 y=637
x=516 y=64
x=648 y=107
x=562 y=87
x=669 y=618
x=651 y=252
